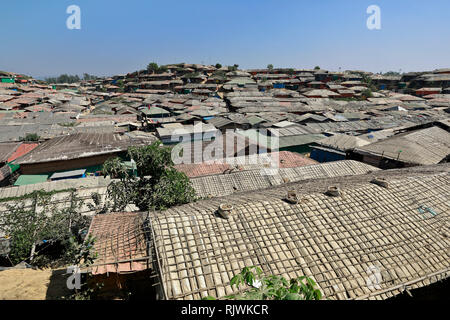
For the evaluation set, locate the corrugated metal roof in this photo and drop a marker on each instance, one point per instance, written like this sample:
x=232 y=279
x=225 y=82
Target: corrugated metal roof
x=67 y=174
x=80 y=145
x=6 y=150
x=423 y=147
x=22 y=150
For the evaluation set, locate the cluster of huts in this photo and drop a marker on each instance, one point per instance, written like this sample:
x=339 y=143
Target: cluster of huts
x=299 y=163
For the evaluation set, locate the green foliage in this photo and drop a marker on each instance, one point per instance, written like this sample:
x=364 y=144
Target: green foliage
x=366 y=94
x=85 y=293
x=218 y=65
x=222 y=74
x=272 y=287
x=88 y=77
x=34 y=194
x=154 y=68
x=30 y=137
x=270 y=67
x=316 y=68
x=162 y=69
x=28 y=225
x=80 y=253
x=173 y=188
x=69 y=124
x=191 y=75
x=392 y=73
x=64 y=78
x=158 y=187
x=291 y=72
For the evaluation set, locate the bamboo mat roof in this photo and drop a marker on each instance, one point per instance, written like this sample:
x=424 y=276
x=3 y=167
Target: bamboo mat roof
x=402 y=231
x=120 y=243
x=226 y=184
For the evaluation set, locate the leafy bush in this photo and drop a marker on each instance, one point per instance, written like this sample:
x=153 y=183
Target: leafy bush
x=154 y=68
x=272 y=287
x=29 y=226
x=367 y=94
x=30 y=137
x=64 y=78
x=158 y=187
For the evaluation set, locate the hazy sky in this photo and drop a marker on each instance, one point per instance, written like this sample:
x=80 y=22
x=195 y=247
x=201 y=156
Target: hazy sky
x=120 y=36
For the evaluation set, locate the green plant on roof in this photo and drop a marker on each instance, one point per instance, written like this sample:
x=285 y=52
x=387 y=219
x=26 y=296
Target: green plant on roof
x=30 y=137
x=392 y=73
x=191 y=75
x=158 y=186
x=260 y=287
x=366 y=94
x=69 y=124
x=368 y=80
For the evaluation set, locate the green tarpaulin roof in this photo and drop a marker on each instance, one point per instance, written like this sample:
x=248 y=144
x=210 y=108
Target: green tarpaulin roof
x=30 y=179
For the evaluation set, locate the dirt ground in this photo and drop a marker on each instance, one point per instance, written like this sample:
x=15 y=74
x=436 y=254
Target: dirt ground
x=29 y=284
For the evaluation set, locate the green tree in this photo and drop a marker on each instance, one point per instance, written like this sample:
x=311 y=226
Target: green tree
x=234 y=67
x=87 y=77
x=270 y=67
x=316 y=68
x=42 y=220
x=158 y=185
x=218 y=66
x=162 y=69
x=152 y=67
x=64 y=78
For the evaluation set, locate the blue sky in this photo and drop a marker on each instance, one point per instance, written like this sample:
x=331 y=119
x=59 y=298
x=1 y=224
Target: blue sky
x=119 y=36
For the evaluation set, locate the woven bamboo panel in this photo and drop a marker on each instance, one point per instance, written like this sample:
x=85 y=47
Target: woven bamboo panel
x=335 y=240
x=226 y=184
